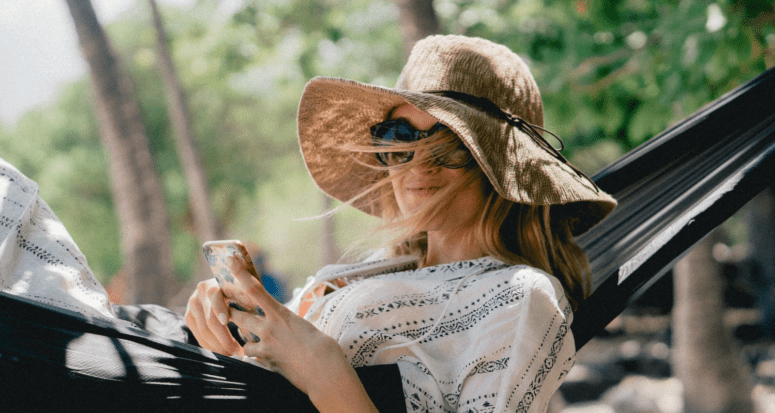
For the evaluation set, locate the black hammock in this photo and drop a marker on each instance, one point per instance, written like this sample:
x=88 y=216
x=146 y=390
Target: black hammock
x=672 y=191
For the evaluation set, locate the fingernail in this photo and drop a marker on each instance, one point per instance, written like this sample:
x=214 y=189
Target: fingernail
x=229 y=261
x=222 y=318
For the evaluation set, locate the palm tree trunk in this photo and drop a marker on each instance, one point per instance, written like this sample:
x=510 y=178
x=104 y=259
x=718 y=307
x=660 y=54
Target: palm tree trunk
x=705 y=359
x=418 y=21
x=761 y=238
x=205 y=224
x=136 y=190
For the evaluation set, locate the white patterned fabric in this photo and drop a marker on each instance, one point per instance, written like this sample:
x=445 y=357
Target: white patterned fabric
x=38 y=258
x=470 y=336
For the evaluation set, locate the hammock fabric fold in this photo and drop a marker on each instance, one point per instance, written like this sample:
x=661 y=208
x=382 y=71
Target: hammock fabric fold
x=52 y=359
x=673 y=190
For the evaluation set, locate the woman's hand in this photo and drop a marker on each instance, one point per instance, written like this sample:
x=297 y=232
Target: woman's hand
x=290 y=345
x=207 y=316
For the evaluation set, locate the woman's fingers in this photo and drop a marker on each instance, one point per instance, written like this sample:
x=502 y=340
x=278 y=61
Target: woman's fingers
x=247 y=322
x=253 y=288
x=251 y=327
x=293 y=347
x=218 y=305
x=202 y=317
x=219 y=331
x=195 y=320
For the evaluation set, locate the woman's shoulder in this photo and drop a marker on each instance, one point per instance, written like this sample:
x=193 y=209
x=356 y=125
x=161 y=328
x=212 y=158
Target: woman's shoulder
x=532 y=279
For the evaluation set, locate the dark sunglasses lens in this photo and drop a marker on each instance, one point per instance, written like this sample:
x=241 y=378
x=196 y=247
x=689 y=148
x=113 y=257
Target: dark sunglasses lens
x=399 y=130
x=394 y=131
x=394 y=158
x=438 y=127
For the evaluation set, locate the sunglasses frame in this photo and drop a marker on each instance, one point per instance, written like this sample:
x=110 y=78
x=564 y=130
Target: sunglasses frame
x=416 y=135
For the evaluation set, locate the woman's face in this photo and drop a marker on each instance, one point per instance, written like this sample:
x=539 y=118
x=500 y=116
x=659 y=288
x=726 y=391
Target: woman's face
x=421 y=182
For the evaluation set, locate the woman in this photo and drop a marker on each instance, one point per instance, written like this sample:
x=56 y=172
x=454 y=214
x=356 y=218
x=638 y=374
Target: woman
x=480 y=209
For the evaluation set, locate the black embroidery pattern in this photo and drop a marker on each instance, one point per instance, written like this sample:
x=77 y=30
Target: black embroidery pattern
x=543 y=370
x=39 y=252
x=436 y=296
x=489 y=366
x=22 y=183
x=485 y=407
x=466 y=321
x=431 y=299
x=13 y=202
x=419 y=366
x=369 y=348
x=334 y=300
x=7 y=222
x=439 y=294
x=418 y=400
x=452 y=398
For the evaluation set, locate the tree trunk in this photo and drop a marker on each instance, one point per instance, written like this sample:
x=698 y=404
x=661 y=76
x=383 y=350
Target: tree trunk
x=705 y=358
x=761 y=234
x=418 y=21
x=136 y=190
x=205 y=224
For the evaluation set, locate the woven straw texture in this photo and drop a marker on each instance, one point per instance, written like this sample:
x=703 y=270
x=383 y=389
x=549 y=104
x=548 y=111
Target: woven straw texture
x=335 y=112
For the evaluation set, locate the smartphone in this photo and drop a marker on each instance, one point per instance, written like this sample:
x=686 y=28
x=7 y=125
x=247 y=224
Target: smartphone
x=216 y=253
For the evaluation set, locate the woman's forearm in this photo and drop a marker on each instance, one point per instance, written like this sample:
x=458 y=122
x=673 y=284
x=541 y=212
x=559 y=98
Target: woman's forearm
x=341 y=391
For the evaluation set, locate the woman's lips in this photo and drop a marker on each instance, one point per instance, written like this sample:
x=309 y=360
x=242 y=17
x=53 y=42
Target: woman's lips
x=423 y=190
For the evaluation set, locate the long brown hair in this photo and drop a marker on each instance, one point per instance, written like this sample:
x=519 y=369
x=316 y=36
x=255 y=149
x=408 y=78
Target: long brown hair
x=511 y=232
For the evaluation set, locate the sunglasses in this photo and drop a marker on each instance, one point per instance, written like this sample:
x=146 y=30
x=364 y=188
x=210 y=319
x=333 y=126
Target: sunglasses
x=400 y=131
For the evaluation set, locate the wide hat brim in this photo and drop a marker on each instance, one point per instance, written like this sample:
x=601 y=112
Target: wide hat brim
x=335 y=113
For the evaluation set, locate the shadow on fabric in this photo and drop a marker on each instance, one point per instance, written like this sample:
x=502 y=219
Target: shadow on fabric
x=57 y=360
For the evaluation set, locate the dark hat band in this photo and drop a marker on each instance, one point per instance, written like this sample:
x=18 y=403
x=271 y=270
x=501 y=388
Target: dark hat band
x=528 y=128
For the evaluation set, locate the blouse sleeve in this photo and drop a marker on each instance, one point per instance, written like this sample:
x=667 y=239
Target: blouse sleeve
x=516 y=360
x=544 y=350
x=38 y=258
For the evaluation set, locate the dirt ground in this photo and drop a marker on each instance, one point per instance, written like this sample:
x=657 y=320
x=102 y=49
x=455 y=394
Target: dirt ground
x=627 y=369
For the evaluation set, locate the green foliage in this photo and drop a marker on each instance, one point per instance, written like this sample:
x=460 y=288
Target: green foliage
x=624 y=70
x=59 y=147
x=612 y=74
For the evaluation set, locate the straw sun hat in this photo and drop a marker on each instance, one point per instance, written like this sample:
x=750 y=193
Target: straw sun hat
x=452 y=78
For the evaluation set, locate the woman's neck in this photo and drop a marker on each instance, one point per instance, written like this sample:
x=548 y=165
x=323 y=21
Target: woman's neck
x=444 y=248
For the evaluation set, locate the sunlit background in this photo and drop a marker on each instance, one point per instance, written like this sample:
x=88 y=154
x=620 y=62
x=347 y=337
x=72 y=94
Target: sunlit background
x=612 y=73
x=612 y=76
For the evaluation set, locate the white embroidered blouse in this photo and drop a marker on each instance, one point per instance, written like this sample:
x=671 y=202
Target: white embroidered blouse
x=470 y=336
x=38 y=258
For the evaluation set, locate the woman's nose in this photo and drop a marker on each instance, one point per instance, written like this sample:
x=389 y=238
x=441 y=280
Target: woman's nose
x=428 y=167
